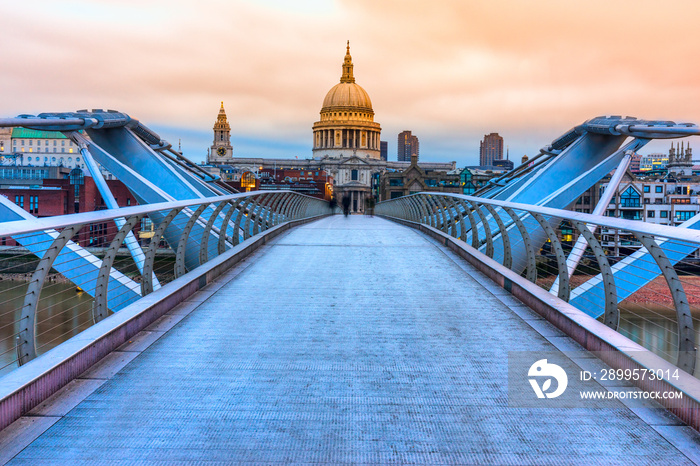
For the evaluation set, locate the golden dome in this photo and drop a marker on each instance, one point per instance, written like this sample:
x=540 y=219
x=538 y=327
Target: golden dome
x=347 y=94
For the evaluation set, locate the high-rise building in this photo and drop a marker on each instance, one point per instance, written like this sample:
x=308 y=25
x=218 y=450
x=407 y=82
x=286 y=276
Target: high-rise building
x=491 y=148
x=383 y=150
x=408 y=146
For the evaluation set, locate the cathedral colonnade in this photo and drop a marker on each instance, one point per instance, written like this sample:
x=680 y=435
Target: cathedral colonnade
x=346 y=139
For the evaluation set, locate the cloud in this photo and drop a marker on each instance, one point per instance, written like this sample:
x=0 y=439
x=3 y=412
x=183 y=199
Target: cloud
x=448 y=70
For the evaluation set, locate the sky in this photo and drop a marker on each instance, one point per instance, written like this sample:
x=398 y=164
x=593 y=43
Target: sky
x=448 y=70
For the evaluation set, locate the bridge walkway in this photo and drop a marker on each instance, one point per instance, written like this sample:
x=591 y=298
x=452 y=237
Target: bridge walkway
x=345 y=340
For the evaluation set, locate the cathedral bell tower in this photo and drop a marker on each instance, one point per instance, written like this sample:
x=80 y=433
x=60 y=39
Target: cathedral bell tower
x=221 y=150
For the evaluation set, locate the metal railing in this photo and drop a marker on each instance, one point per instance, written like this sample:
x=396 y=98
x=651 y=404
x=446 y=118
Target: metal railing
x=647 y=287
x=59 y=275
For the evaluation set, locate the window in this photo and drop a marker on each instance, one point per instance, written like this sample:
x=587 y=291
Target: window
x=34 y=204
x=146 y=224
x=651 y=214
x=354 y=175
x=683 y=215
x=680 y=200
x=630 y=198
x=647 y=188
x=567 y=234
x=19 y=200
x=663 y=214
x=659 y=189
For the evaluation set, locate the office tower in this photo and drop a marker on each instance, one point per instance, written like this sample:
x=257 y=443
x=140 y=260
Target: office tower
x=491 y=148
x=408 y=146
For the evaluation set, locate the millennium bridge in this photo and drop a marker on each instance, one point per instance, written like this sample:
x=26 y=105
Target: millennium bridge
x=266 y=327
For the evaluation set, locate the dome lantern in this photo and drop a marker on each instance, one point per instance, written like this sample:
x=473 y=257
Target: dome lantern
x=347 y=76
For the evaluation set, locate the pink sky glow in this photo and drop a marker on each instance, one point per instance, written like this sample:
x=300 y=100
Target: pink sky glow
x=450 y=71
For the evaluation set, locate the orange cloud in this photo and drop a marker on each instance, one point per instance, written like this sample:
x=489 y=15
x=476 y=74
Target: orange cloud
x=446 y=69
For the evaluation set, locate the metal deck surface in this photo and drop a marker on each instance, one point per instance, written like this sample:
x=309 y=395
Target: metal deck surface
x=347 y=340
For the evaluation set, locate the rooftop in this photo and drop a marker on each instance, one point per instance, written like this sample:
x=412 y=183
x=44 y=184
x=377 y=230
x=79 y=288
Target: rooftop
x=36 y=134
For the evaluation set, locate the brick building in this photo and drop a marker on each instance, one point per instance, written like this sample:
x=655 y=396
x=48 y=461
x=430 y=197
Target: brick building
x=51 y=191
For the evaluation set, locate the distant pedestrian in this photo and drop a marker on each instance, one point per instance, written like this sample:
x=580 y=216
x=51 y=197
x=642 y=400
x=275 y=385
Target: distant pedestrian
x=369 y=206
x=346 y=205
x=333 y=204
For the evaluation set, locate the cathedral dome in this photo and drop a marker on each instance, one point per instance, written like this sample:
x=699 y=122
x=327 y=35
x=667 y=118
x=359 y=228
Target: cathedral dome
x=347 y=95
x=347 y=127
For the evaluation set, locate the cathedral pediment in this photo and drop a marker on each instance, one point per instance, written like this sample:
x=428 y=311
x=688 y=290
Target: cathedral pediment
x=354 y=160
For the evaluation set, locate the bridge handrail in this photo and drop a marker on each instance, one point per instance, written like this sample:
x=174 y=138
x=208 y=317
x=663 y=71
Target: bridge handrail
x=681 y=234
x=196 y=229
x=494 y=226
x=61 y=221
